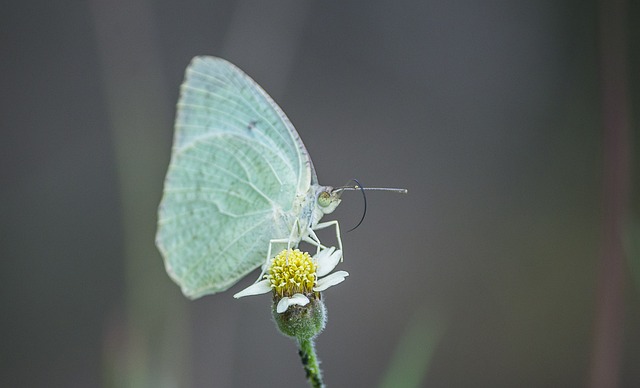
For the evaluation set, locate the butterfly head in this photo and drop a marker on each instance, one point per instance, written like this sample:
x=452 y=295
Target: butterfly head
x=328 y=199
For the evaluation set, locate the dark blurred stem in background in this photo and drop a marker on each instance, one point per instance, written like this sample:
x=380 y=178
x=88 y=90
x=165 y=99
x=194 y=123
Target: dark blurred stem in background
x=149 y=347
x=608 y=330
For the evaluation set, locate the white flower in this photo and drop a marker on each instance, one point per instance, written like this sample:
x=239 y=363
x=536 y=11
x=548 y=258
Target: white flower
x=293 y=276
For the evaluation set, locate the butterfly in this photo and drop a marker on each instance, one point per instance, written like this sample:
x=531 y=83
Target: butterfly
x=240 y=182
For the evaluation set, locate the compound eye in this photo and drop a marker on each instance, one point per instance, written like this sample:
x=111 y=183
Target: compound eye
x=324 y=199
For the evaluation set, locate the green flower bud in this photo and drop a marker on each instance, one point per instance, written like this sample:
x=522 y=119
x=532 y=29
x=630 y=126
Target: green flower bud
x=301 y=322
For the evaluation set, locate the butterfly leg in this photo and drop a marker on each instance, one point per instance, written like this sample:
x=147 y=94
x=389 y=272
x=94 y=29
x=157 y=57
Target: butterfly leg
x=313 y=239
x=266 y=262
x=327 y=224
x=277 y=241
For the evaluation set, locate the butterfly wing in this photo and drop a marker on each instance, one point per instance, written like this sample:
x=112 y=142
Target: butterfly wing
x=219 y=97
x=236 y=167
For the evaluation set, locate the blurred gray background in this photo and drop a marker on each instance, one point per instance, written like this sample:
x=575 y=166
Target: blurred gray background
x=484 y=275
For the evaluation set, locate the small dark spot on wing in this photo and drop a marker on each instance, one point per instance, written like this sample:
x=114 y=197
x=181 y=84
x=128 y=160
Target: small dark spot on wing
x=252 y=125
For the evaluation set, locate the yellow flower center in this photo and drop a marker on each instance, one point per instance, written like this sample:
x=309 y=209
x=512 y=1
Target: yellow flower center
x=292 y=272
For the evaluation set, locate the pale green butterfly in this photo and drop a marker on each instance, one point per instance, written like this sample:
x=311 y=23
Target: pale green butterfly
x=239 y=183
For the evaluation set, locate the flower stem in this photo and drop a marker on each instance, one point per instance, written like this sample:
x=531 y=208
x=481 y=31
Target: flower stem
x=310 y=362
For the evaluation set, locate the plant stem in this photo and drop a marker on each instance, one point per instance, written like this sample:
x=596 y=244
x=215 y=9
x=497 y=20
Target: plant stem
x=608 y=337
x=310 y=362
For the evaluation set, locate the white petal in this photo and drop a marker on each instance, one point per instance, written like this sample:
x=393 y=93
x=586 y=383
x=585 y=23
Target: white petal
x=327 y=260
x=331 y=280
x=298 y=299
x=323 y=254
x=285 y=302
x=261 y=287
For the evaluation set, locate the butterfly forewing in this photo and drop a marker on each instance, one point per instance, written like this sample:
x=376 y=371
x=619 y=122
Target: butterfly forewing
x=236 y=167
x=217 y=96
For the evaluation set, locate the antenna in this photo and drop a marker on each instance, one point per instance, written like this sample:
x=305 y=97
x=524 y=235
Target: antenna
x=358 y=186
